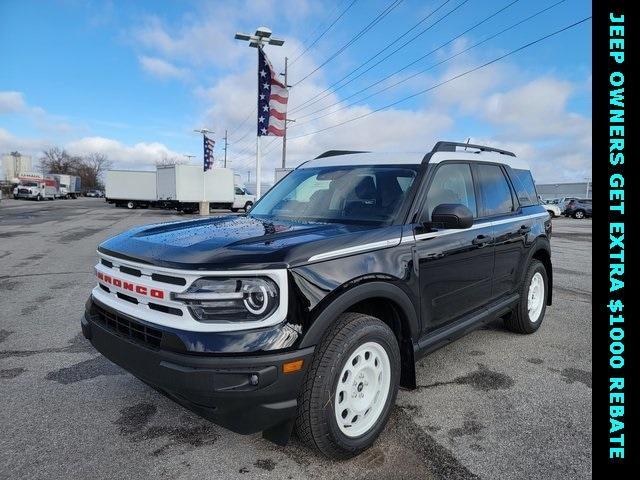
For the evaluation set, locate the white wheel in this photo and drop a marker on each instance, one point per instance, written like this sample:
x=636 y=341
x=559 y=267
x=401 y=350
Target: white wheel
x=362 y=389
x=131 y=205
x=535 y=297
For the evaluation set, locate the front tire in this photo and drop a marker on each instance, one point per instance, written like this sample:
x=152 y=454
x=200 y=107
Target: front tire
x=131 y=205
x=247 y=206
x=350 y=387
x=579 y=214
x=528 y=315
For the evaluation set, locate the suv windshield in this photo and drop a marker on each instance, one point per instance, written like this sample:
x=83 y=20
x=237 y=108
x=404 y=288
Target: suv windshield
x=344 y=194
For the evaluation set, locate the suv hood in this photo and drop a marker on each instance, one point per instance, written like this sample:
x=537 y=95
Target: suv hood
x=236 y=242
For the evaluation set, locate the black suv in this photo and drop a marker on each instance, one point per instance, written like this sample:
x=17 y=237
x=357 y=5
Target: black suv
x=579 y=208
x=311 y=310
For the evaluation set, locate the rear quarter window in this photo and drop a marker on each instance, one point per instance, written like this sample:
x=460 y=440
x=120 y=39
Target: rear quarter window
x=525 y=187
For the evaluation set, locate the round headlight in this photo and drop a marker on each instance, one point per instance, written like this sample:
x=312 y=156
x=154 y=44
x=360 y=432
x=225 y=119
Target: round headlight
x=231 y=299
x=257 y=301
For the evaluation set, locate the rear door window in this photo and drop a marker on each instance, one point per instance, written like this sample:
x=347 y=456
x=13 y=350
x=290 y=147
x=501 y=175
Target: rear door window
x=494 y=190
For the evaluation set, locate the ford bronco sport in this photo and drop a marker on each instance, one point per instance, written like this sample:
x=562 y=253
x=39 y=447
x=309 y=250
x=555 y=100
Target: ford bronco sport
x=311 y=310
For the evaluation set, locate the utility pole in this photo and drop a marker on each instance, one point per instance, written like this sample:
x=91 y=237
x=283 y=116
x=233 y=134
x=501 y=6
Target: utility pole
x=226 y=143
x=258 y=40
x=248 y=176
x=284 y=137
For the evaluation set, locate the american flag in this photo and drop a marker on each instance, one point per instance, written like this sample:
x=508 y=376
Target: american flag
x=272 y=99
x=208 y=152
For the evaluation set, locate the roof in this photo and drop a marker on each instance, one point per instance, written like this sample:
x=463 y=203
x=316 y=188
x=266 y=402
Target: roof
x=412 y=158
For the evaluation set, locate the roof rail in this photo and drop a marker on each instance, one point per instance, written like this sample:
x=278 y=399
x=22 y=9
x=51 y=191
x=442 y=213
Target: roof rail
x=451 y=147
x=333 y=153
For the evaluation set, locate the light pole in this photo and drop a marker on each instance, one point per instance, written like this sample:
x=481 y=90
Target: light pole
x=258 y=40
x=588 y=179
x=189 y=157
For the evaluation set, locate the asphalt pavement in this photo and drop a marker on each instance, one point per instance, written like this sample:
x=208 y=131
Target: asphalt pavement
x=491 y=405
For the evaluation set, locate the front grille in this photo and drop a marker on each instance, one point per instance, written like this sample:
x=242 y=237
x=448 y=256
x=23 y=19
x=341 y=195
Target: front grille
x=168 y=279
x=128 y=328
x=131 y=271
x=23 y=190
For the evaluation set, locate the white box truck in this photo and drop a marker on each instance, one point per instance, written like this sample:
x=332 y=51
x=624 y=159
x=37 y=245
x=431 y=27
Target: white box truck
x=183 y=187
x=36 y=187
x=130 y=188
x=68 y=185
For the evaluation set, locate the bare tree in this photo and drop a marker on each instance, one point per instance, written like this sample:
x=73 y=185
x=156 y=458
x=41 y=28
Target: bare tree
x=90 y=168
x=57 y=160
x=93 y=167
x=165 y=161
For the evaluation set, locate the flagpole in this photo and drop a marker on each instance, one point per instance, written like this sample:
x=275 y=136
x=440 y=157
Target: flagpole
x=204 y=205
x=258 y=169
x=257 y=40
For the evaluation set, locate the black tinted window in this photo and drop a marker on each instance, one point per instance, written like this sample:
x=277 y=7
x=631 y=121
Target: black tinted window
x=452 y=183
x=495 y=191
x=525 y=188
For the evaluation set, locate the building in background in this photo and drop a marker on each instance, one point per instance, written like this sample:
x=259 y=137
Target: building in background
x=549 y=191
x=14 y=165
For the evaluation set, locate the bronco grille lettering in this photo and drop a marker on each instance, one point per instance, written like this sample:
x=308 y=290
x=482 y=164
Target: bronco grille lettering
x=132 y=287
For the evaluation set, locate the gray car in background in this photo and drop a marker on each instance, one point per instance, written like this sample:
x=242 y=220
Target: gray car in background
x=578 y=208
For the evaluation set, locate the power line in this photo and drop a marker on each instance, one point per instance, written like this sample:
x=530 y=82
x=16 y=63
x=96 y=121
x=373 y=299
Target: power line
x=362 y=32
x=330 y=87
x=239 y=126
x=406 y=79
x=324 y=32
x=451 y=79
x=412 y=40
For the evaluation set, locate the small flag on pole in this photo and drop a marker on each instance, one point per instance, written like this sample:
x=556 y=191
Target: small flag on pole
x=272 y=99
x=209 y=143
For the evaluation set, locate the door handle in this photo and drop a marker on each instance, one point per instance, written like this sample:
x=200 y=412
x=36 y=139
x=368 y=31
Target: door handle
x=524 y=229
x=481 y=240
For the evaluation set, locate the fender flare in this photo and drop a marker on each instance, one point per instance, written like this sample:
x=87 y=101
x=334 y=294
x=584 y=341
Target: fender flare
x=540 y=244
x=355 y=295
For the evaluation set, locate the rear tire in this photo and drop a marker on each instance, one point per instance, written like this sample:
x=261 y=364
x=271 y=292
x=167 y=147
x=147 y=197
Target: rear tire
x=528 y=315
x=353 y=378
x=131 y=205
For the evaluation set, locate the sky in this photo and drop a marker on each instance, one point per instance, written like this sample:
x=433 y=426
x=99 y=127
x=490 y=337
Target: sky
x=133 y=80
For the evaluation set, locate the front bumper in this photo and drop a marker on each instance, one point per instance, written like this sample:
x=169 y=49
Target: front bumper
x=244 y=393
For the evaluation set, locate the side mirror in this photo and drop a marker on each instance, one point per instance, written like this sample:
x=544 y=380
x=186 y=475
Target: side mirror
x=452 y=215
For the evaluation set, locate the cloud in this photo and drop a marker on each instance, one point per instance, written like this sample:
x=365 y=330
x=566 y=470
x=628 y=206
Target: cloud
x=161 y=68
x=12 y=102
x=139 y=155
x=10 y=142
x=205 y=37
